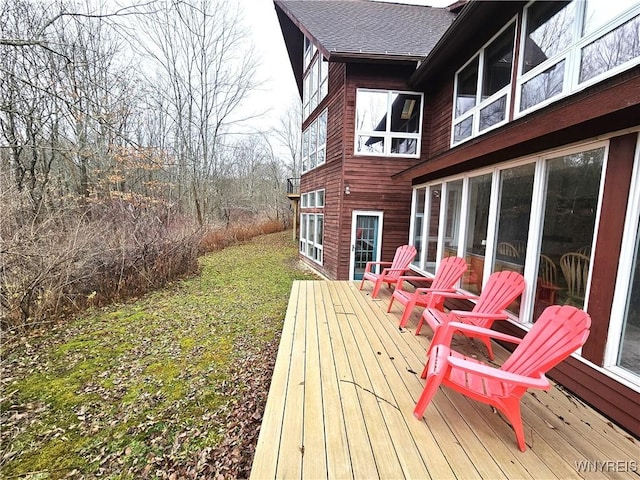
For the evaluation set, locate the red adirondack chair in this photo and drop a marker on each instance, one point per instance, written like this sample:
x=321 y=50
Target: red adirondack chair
x=448 y=274
x=389 y=275
x=558 y=332
x=501 y=289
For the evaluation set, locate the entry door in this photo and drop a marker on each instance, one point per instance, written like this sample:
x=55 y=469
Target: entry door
x=366 y=235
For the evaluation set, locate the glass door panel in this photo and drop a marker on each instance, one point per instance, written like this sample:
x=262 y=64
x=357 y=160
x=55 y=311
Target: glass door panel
x=476 y=244
x=366 y=243
x=571 y=202
x=514 y=211
x=418 y=221
x=629 y=352
x=433 y=227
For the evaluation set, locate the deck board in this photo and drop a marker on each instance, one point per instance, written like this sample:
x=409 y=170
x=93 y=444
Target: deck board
x=345 y=384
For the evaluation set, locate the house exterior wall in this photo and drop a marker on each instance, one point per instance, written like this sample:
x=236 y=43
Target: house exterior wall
x=609 y=110
x=369 y=177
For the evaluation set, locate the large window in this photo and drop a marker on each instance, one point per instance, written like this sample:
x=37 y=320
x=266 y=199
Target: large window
x=314 y=143
x=623 y=353
x=567 y=46
x=388 y=123
x=315 y=83
x=312 y=225
x=497 y=219
x=482 y=88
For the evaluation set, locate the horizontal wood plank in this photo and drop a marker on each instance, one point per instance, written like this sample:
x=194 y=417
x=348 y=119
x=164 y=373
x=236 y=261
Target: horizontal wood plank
x=343 y=391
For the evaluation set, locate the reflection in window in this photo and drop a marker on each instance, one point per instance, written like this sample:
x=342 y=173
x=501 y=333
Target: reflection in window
x=418 y=218
x=493 y=113
x=315 y=81
x=599 y=12
x=463 y=129
x=388 y=123
x=452 y=219
x=435 y=193
x=548 y=32
x=545 y=85
x=611 y=50
x=516 y=193
x=479 y=104
x=467 y=87
x=571 y=201
x=314 y=143
x=479 y=195
x=498 y=59
x=569 y=43
x=628 y=356
x=311 y=235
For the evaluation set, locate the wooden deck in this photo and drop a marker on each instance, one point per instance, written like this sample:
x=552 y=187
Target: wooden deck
x=343 y=391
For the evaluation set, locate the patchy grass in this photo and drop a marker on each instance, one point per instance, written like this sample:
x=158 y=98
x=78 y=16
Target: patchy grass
x=148 y=388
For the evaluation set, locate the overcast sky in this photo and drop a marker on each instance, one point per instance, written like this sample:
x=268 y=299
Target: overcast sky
x=279 y=88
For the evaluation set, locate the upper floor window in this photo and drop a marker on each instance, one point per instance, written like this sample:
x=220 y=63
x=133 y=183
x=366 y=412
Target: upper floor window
x=314 y=199
x=388 y=123
x=482 y=90
x=315 y=84
x=314 y=143
x=567 y=46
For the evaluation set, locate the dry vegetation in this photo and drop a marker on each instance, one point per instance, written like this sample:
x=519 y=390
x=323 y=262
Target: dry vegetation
x=170 y=386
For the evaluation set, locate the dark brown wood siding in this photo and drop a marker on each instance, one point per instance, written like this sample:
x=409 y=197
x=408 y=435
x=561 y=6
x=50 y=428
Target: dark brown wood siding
x=369 y=177
x=329 y=175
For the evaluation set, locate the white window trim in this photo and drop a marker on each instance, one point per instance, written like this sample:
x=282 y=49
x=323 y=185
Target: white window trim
x=571 y=55
x=388 y=134
x=305 y=203
x=306 y=159
x=535 y=221
x=625 y=263
x=305 y=242
x=311 y=99
x=475 y=111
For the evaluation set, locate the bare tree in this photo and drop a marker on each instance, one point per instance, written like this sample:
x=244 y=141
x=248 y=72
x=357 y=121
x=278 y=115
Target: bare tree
x=205 y=70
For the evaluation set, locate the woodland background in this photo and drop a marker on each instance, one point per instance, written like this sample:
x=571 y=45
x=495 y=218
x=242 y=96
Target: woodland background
x=123 y=151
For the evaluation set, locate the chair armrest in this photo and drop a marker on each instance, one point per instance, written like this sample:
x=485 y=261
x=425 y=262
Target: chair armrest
x=387 y=271
x=461 y=295
x=486 y=371
x=442 y=291
x=409 y=278
x=474 y=330
x=368 y=266
x=467 y=313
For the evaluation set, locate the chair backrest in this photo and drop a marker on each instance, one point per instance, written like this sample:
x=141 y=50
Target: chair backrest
x=508 y=250
x=558 y=332
x=521 y=247
x=575 y=268
x=401 y=260
x=501 y=289
x=547 y=271
x=449 y=272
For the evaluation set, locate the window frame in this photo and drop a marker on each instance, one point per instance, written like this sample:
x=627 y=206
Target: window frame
x=309 y=237
x=506 y=91
x=536 y=219
x=571 y=56
x=388 y=135
x=319 y=147
x=623 y=278
x=315 y=84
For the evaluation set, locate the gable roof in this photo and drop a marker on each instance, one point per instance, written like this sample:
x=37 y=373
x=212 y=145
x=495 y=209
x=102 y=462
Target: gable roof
x=368 y=30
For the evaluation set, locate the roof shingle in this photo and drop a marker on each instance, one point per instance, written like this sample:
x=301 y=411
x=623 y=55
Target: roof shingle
x=370 y=28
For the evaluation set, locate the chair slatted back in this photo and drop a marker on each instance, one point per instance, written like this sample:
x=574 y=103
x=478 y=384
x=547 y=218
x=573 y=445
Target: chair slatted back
x=401 y=260
x=558 y=332
x=575 y=268
x=449 y=272
x=501 y=289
